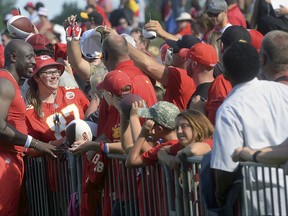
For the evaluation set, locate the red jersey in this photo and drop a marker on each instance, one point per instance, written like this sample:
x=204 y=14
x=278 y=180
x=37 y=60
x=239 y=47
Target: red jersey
x=235 y=16
x=150 y=157
x=218 y=91
x=180 y=87
x=71 y=104
x=141 y=85
x=17 y=111
x=11 y=160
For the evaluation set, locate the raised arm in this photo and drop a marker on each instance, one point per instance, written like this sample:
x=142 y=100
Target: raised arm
x=79 y=64
x=134 y=157
x=154 y=25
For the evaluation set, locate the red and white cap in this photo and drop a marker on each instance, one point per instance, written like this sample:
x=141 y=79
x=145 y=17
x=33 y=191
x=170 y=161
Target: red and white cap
x=45 y=61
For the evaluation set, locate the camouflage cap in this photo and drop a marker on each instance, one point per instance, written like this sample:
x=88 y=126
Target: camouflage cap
x=163 y=113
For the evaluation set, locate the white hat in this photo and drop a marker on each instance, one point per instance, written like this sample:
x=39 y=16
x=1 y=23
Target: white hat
x=8 y=17
x=129 y=39
x=91 y=44
x=42 y=11
x=184 y=16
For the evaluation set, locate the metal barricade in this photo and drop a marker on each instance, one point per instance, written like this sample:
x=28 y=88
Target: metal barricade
x=264 y=190
x=151 y=190
x=141 y=191
x=50 y=183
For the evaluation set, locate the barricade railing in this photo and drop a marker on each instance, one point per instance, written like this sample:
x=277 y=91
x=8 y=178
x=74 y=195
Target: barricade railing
x=151 y=190
x=50 y=183
x=264 y=190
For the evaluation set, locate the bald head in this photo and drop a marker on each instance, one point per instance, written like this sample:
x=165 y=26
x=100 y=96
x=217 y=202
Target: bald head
x=19 y=58
x=116 y=46
x=16 y=46
x=270 y=48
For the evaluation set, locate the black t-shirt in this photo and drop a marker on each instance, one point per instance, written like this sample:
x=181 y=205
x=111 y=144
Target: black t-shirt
x=202 y=91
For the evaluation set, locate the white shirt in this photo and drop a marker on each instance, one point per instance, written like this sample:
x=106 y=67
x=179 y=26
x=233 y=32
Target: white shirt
x=255 y=115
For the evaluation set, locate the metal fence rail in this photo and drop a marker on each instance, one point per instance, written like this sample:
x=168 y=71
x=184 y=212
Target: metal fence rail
x=151 y=190
x=50 y=183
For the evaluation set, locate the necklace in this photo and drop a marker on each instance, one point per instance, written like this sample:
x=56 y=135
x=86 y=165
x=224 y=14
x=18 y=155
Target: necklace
x=56 y=117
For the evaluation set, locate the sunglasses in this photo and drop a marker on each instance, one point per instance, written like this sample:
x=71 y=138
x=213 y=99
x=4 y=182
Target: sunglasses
x=213 y=15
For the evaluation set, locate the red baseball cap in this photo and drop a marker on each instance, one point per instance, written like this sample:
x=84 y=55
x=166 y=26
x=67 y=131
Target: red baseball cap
x=114 y=82
x=38 y=41
x=45 y=61
x=29 y=4
x=203 y=53
x=256 y=38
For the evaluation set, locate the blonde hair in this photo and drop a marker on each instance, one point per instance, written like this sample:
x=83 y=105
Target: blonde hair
x=201 y=126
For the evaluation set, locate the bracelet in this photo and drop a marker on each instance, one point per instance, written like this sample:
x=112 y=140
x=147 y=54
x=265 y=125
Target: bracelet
x=35 y=145
x=28 y=142
x=102 y=146
x=106 y=149
x=255 y=156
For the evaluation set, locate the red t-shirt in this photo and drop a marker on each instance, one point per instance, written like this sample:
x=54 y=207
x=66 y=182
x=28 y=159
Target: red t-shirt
x=235 y=16
x=185 y=31
x=218 y=91
x=180 y=87
x=177 y=147
x=17 y=111
x=150 y=157
x=141 y=85
x=72 y=104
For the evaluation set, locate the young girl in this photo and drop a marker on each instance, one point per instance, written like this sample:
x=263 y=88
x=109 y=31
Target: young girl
x=194 y=132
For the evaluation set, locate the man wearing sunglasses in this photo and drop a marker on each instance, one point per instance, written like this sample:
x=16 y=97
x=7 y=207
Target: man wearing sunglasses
x=217 y=11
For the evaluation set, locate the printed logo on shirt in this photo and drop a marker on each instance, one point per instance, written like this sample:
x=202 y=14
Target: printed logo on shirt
x=70 y=95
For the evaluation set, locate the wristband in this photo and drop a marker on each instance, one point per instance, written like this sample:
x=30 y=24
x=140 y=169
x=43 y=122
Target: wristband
x=102 y=146
x=35 y=145
x=106 y=149
x=28 y=141
x=255 y=156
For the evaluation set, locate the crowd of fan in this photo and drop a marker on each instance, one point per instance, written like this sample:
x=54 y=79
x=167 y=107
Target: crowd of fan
x=219 y=66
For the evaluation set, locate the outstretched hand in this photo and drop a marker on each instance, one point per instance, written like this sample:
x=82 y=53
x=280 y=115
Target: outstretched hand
x=47 y=149
x=80 y=147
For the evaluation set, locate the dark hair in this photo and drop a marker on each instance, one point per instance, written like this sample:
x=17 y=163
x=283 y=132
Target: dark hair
x=33 y=97
x=241 y=62
x=49 y=51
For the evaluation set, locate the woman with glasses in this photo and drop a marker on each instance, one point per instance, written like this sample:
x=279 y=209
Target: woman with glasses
x=51 y=107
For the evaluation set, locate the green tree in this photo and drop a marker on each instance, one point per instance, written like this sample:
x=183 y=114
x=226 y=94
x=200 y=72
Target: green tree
x=67 y=10
x=5 y=8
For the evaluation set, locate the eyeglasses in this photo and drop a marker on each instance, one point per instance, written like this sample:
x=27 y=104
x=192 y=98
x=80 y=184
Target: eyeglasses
x=213 y=15
x=52 y=73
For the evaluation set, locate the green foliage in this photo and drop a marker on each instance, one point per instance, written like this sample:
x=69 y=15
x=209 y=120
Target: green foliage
x=68 y=9
x=5 y=8
x=154 y=8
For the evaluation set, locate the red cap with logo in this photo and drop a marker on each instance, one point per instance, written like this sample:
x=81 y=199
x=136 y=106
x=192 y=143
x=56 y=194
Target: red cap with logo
x=114 y=82
x=202 y=53
x=45 y=61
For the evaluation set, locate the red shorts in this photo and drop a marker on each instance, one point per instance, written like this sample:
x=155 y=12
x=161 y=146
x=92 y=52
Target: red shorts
x=11 y=177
